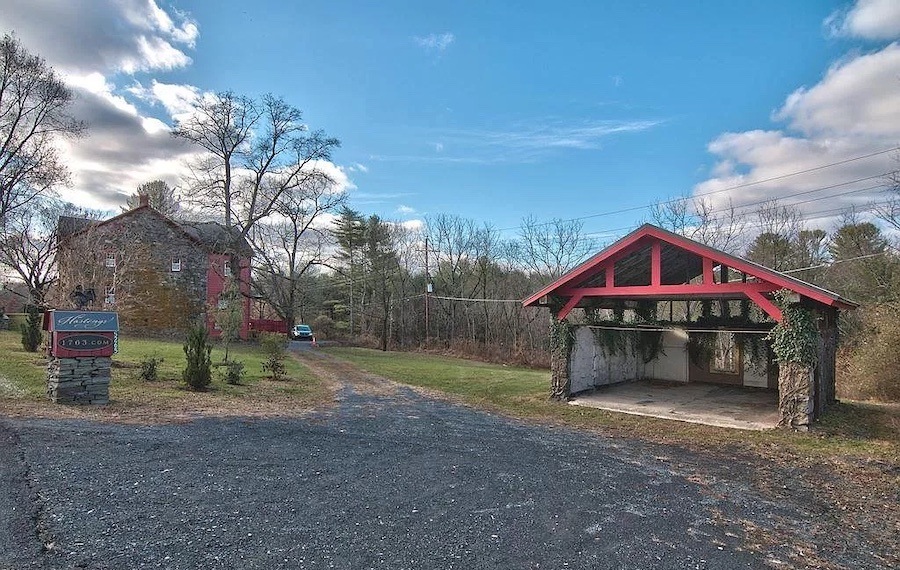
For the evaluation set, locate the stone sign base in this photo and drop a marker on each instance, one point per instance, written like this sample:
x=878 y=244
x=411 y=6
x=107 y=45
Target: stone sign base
x=83 y=380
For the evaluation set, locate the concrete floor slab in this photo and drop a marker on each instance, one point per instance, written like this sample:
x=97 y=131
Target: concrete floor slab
x=710 y=404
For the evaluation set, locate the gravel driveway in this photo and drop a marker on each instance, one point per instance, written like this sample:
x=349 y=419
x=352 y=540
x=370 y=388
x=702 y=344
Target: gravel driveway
x=386 y=479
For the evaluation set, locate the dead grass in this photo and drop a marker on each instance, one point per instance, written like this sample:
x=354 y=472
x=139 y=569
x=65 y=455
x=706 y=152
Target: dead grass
x=23 y=384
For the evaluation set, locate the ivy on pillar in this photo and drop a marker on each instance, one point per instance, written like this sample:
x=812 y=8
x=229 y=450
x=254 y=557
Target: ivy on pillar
x=795 y=344
x=562 y=339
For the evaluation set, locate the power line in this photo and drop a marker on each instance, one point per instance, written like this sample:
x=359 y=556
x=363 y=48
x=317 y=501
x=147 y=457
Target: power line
x=721 y=190
x=821 y=265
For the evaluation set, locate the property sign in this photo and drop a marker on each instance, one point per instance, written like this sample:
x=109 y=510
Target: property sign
x=75 y=344
x=75 y=334
x=93 y=321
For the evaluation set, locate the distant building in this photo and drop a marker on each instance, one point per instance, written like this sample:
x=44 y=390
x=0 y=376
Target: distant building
x=159 y=274
x=13 y=297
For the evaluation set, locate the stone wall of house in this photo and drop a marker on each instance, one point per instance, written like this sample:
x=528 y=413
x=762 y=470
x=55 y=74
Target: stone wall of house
x=148 y=295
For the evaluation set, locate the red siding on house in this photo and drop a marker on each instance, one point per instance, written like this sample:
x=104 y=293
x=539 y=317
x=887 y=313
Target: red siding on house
x=216 y=282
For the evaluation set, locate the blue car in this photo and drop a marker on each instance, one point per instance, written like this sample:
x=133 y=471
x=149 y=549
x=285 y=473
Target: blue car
x=301 y=332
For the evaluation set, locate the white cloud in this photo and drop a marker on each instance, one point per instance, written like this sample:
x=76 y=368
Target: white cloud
x=435 y=42
x=870 y=19
x=413 y=225
x=858 y=96
x=405 y=210
x=361 y=167
x=852 y=112
x=341 y=182
x=177 y=100
x=85 y=36
x=438 y=147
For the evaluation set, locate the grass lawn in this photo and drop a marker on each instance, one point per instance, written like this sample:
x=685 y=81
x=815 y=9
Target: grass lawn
x=858 y=429
x=23 y=384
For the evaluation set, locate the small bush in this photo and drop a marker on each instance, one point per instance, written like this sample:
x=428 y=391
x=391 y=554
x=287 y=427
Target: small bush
x=234 y=372
x=273 y=347
x=150 y=369
x=198 y=372
x=31 y=329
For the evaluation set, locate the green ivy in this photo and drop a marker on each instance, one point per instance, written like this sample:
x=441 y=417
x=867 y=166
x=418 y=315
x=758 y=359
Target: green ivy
x=562 y=337
x=795 y=338
x=644 y=343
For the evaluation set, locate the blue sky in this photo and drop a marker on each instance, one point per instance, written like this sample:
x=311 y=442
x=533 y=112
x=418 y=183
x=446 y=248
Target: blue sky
x=497 y=110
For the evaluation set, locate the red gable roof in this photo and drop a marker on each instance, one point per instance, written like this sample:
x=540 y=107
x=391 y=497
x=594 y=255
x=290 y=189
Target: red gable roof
x=578 y=283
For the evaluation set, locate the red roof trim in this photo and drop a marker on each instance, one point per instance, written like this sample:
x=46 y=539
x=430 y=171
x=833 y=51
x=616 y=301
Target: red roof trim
x=647 y=230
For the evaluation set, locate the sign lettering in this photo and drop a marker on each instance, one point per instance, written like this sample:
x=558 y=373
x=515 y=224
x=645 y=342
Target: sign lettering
x=84 y=321
x=85 y=342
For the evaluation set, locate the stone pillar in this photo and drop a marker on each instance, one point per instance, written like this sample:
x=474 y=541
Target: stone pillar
x=82 y=380
x=559 y=374
x=795 y=397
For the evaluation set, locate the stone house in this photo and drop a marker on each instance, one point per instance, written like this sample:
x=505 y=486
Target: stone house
x=159 y=274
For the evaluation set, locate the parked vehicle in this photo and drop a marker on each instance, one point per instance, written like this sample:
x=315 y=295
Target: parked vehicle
x=301 y=332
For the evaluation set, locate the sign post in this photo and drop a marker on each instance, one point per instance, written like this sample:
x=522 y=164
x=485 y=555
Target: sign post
x=81 y=346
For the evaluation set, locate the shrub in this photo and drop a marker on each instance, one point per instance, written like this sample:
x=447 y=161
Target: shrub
x=150 y=369
x=234 y=372
x=323 y=326
x=198 y=372
x=273 y=347
x=869 y=366
x=31 y=329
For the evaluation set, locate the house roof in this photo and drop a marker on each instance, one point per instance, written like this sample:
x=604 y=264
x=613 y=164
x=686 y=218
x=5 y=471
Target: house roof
x=215 y=237
x=654 y=263
x=211 y=236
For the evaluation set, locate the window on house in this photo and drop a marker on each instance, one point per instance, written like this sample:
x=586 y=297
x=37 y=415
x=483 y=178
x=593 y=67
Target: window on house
x=110 y=298
x=725 y=360
x=176 y=264
x=110 y=259
x=226 y=269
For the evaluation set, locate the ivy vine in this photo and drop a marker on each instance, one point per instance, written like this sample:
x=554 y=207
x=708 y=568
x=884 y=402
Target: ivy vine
x=647 y=344
x=562 y=337
x=795 y=338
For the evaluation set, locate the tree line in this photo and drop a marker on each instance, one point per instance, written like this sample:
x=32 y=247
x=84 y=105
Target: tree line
x=449 y=282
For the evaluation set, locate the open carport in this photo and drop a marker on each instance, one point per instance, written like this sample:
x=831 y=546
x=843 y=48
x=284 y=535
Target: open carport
x=656 y=305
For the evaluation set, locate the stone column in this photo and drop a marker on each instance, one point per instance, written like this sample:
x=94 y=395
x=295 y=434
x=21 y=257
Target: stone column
x=83 y=380
x=795 y=397
x=559 y=374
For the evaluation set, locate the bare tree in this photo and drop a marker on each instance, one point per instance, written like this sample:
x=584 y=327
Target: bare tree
x=552 y=248
x=699 y=220
x=29 y=243
x=292 y=244
x=34 y=111
x=163 y=198
x=255 y=152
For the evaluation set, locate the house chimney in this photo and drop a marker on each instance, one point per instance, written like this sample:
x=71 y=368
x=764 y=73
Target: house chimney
x=143 y=200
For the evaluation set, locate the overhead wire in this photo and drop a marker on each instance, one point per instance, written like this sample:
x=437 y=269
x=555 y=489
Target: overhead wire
x=726 y=189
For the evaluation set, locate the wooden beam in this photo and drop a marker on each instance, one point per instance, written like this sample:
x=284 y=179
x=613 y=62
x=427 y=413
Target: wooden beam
x=656 y=263
x=692 y=290
x=570 y=304
x=766 y=305
x=611 y=275
x=708 y=277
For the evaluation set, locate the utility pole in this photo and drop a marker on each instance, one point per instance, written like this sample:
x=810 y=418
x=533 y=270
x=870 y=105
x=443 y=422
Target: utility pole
x=427 y=289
